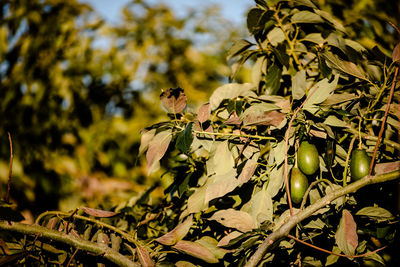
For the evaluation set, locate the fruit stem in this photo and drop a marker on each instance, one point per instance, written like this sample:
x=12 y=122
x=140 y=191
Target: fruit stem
x=346 y=165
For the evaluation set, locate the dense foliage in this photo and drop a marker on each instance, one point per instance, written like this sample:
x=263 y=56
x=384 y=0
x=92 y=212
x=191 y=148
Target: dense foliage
x=322 y=104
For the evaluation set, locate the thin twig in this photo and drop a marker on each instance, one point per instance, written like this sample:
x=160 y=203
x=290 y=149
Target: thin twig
x=346 y=165
x=7 y=198
x=334 y=253
x=303 y=202
x=67 y=230
x=72 y=257
x=371 y=166
x=287 y=147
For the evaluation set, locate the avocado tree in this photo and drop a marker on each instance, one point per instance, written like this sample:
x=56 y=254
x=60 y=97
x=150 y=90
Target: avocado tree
x=297 y=167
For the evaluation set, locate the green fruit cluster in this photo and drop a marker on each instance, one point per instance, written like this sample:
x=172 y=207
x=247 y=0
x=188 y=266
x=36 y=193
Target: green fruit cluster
x=308 y=164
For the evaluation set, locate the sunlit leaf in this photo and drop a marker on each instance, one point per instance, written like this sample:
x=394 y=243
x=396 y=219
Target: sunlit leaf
x=196 y=250
x=236 y=219
x=276 y=36
x=306 y=17
x=299 y=84
x=375 y=213
x=345 y=66
x=238 y=47
x=145 y=140
x=220 y=185
x=177 y=234
x=247 y=171
x=261 y=207
x=204 y=113
x=230 y=91
x=334 y=121
x=320 y=92
x=157 y=148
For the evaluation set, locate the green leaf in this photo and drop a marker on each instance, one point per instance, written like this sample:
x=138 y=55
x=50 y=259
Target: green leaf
x=221 y=161
x=275 y=181
x=276 y=36
x=273 y=80
x=299 y=85
x=261 y=207
x=346 y=235
x=314 y=37
x=238 y=47
x=332 y=259
x=185 y=139
x=212 y=245
x=306 y=17
x=220 y=185
x=375 y=213
x=323 y=88
x=230 y=91
x=253 y=19
x=304 y=3
x=334 y=121
x=327 y=16
x=345 y=66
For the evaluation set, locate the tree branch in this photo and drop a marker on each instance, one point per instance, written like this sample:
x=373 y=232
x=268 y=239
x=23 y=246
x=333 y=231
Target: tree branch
x=284 y=230
x=81 y=244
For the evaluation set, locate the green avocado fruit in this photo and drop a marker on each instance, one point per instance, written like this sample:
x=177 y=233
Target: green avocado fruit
x=298 y=185
x=307 y=158
x=359 y=164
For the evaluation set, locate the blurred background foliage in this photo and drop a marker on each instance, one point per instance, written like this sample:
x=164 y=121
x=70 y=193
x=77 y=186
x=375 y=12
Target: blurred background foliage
x=76 y=91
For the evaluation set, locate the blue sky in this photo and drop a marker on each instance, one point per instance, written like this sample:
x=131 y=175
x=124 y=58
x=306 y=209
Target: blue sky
x=234 y=10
